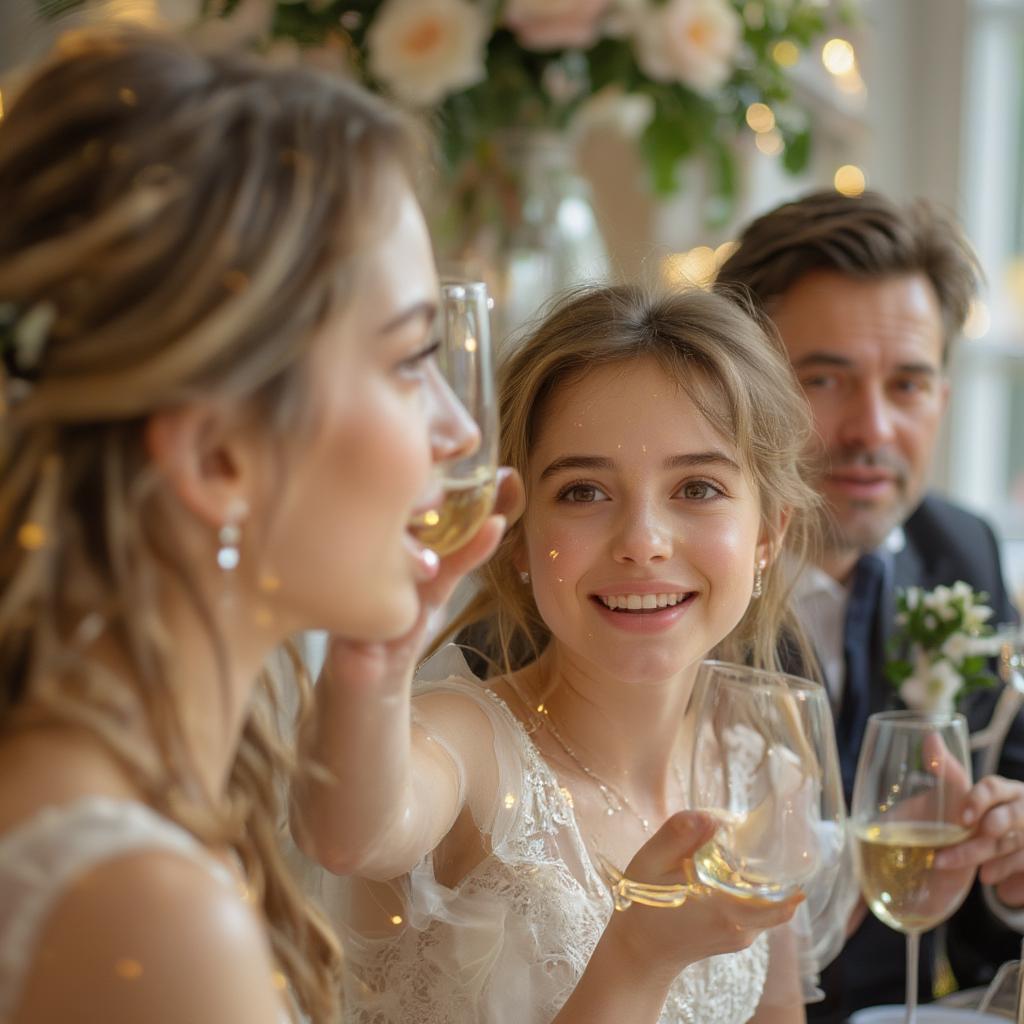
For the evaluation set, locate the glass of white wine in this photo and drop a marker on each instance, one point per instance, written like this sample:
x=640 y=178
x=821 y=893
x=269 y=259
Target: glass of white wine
x=912 y=777
x=765 y=765
x=466 y=486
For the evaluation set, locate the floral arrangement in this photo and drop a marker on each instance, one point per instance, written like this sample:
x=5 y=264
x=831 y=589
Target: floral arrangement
x=683 y=73
x=943 y=634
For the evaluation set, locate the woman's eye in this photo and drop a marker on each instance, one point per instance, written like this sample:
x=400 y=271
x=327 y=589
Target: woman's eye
x=700 y=490
x=580 y=494
x=413 y=366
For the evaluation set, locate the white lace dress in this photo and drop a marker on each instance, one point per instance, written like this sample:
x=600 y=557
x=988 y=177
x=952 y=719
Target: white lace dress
x=511 y=941
x=45 y=855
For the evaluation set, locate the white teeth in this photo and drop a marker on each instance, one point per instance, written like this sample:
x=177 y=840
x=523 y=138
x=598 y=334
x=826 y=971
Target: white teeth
x=641 y=602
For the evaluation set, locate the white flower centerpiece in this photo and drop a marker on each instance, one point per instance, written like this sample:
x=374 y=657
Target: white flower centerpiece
x=944 y=644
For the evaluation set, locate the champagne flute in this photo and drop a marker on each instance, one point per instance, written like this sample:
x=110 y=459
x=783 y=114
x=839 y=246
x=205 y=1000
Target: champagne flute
x=466 y=486
x=912 y=777
x=765 y=765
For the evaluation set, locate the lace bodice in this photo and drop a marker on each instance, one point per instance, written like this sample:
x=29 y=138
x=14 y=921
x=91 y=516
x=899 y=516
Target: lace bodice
x=42 y=857
x=511 y=941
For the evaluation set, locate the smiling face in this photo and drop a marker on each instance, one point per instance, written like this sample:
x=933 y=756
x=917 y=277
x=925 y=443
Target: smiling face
x=641 y=531
x=383 y=417
x=868 y=355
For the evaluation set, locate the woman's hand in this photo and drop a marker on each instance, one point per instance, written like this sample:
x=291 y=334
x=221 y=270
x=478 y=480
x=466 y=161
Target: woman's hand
x=994 y=808
x=375 y=665
x=659 y=942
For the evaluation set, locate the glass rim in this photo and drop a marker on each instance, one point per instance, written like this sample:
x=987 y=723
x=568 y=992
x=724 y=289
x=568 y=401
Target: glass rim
x=921 y=719
x=775 y=678
x=468 y=286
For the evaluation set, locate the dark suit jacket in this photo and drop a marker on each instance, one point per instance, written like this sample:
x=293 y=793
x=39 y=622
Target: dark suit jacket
x=944 y=544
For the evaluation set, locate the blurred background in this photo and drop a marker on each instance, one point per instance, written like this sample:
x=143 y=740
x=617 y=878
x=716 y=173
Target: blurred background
x=915 y=98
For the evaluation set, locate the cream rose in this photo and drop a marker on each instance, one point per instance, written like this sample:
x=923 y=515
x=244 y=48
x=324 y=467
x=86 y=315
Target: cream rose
x=554 y=24
x=424 y=49
x=689 y=41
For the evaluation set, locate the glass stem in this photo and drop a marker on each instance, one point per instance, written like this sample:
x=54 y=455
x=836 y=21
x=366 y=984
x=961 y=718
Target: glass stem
x=913 y=945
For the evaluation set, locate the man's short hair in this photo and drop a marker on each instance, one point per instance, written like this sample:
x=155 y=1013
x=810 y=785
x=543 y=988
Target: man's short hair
x=866 y=237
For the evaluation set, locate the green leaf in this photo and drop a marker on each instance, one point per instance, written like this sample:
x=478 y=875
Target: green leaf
x=797 y=153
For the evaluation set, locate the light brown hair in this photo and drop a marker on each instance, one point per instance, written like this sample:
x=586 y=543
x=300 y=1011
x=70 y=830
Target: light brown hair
x=866 y=237
x=738 y=377
x=191 y=219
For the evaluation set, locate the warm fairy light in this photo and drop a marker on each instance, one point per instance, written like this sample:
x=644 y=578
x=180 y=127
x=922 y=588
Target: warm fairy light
x=850 y=180
x=471 y=344
x=566 y=795
x=1015 y=280
x=32 y=536
x=128 y=969
x=432 y=518
x=396 y=918
x=770 y=143
x=696 y=267
x=838 y=57
x=510 y=800
x=279 y=981
x=725 y=250
x=553 y=554
x=541 y=709
x=785 y=53
x=978 y=321
x=760 y=117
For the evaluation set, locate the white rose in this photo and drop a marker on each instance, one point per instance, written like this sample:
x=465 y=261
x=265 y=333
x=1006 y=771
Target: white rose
x=976 y=617
x=424 y=49
x=957 y=647
x=688 y=41
x=934 y=691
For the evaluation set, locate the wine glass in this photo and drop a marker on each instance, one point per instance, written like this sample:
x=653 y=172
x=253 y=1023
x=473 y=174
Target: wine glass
x=765 y=766
x=912 y=777
x=465 y=486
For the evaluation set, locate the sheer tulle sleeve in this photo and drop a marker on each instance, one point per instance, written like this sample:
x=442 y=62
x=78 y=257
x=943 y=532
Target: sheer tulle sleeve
x=418 y=949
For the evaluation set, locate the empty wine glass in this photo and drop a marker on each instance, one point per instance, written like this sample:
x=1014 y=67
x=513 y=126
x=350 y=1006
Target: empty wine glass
x=912 y=777
x=466 y=486
x=765 y=765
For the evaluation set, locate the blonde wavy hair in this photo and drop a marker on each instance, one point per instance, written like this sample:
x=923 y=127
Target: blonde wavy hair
x=736 y=373
x=191 y=219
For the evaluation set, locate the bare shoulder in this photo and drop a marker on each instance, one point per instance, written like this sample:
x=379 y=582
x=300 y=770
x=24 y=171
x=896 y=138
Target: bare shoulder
x=151 y=936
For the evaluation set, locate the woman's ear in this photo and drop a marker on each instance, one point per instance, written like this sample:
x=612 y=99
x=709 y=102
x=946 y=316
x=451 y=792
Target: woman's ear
x=203 y=454
x=772 y=537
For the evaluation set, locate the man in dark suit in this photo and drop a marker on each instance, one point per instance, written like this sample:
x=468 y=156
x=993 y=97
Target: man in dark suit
x=868 y=297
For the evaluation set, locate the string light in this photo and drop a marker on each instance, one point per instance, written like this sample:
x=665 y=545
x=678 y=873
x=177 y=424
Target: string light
x=838 y=57
x=770 y=143
x=849 y=180
x=785 y=53
x=760 y=118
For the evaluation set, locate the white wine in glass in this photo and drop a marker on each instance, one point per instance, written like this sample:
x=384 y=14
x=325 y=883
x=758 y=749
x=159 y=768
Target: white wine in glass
x=765 y=765
x=912 y=777
x=466 y=485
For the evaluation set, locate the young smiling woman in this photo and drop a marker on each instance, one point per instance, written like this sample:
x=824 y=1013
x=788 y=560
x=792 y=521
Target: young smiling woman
x=660 y=440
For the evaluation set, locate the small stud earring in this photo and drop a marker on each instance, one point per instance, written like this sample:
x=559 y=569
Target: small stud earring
x=229 y=537
x=524 y=576
x=759 y=578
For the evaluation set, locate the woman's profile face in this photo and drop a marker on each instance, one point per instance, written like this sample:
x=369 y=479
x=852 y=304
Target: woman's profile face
x=641 y=527
x=340 y=544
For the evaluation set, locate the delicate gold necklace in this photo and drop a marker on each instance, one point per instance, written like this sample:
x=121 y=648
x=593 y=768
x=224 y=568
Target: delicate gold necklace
x=615 y=800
